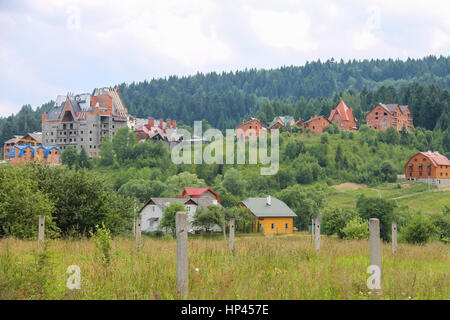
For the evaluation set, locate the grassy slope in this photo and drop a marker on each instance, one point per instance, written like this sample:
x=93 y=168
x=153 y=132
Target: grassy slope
x=413 y=195
x=284 y=267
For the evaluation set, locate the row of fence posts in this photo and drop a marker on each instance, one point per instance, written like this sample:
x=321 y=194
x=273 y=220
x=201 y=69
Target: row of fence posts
x=182 y=243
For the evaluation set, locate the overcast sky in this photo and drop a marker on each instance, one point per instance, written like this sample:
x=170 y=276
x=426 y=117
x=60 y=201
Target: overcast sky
x=50 y=47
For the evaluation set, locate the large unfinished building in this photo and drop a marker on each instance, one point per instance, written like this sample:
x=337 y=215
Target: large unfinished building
x=84 y=120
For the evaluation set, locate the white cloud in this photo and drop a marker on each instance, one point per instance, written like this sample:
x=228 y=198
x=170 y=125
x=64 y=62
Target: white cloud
x=282 y=30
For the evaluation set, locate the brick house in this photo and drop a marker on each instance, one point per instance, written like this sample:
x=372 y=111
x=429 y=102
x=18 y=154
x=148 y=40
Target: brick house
x=343 y=117
x=249 y=129
x=384 y=116
x=431 y=167
x=20 y=154
x=316 y=124
x=34 y=139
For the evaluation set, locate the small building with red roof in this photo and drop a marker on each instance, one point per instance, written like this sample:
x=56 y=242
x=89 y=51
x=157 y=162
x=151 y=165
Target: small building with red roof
x=343 y=117
x=196 y=193
x=316 y=124
x=430 y=167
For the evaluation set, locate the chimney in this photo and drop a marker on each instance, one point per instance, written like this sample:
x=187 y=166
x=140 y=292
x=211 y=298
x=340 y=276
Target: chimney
x=315 y=116
x=151 y=122
x=161 y=123
x=169 y=123
x=268 y=201
x=429 y=152
x=174 y=124
x=243 y=121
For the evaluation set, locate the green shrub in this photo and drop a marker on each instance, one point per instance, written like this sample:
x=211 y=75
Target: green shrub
x=336 y=219
x=419 y=230
x=102 y=239
x=356 y=228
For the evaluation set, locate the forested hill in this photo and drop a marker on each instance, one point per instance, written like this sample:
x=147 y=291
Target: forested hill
x=224 y=99
x=227 y=98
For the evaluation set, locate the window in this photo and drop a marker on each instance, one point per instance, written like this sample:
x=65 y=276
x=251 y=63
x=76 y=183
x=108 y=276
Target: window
x=287 y=226
x=273 y=226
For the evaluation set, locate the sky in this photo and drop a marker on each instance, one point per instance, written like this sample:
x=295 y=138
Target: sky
x=51 y=47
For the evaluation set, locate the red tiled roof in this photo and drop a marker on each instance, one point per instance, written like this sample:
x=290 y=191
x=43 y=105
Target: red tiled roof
x=436 y=158
x=197 y=192
x=343 y=111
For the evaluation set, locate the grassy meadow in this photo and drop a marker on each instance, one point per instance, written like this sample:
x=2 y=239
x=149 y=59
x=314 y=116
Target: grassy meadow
x=281 y=267
x=415 y=195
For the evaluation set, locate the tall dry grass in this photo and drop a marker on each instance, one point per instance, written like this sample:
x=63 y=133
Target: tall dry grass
x=283 y=267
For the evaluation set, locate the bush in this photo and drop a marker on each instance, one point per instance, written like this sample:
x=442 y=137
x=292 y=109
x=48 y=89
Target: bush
x=419 y=230
x=356 y=228
x=335 y=220
x=102 y=239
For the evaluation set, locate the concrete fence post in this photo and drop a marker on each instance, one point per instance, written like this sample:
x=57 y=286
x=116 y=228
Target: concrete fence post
x=182 y=254
x=317 y=231
x=231 y=235
x=224 y=228
x=394 y=237
x=41 y=233
x=375 y=248
x=138 y=232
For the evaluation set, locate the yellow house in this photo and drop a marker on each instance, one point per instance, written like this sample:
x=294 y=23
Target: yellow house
x=271 y=215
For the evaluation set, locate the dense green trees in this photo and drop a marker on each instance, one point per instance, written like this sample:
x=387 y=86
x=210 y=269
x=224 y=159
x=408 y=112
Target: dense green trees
x=73 y=201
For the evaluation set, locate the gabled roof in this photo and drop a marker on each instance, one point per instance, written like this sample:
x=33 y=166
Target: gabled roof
x=37 y=136
x=436 y=158
x=260 y=208
x=162 y=202
x=197 y=192
x=14 y=140
x=318 y=117
x=342 y=110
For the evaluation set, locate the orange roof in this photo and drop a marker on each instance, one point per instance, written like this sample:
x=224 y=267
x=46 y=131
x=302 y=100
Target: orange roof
x=436 y=158
x=343 y=111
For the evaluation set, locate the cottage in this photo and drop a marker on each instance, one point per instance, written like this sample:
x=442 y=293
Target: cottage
x=158 y=130
x=316 y=124
x=343 y=117
x=278 y=122
x=252 y=128
x=200 y=193
x=270 y=215
x=430 y=167
x=384 y=116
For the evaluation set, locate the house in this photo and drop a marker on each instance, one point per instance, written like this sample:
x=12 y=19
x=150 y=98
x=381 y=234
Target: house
x=316 y=124
x=34 y=139
x=430 y=167
x=249 y=129
x=270 y=215
x=158 y=130
x=343 y=117
x=152 y=211
x=20 y=154
x=200 y=193
x=9 y=144
x=384 y=116
x=84 y=120
x=282 y=122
